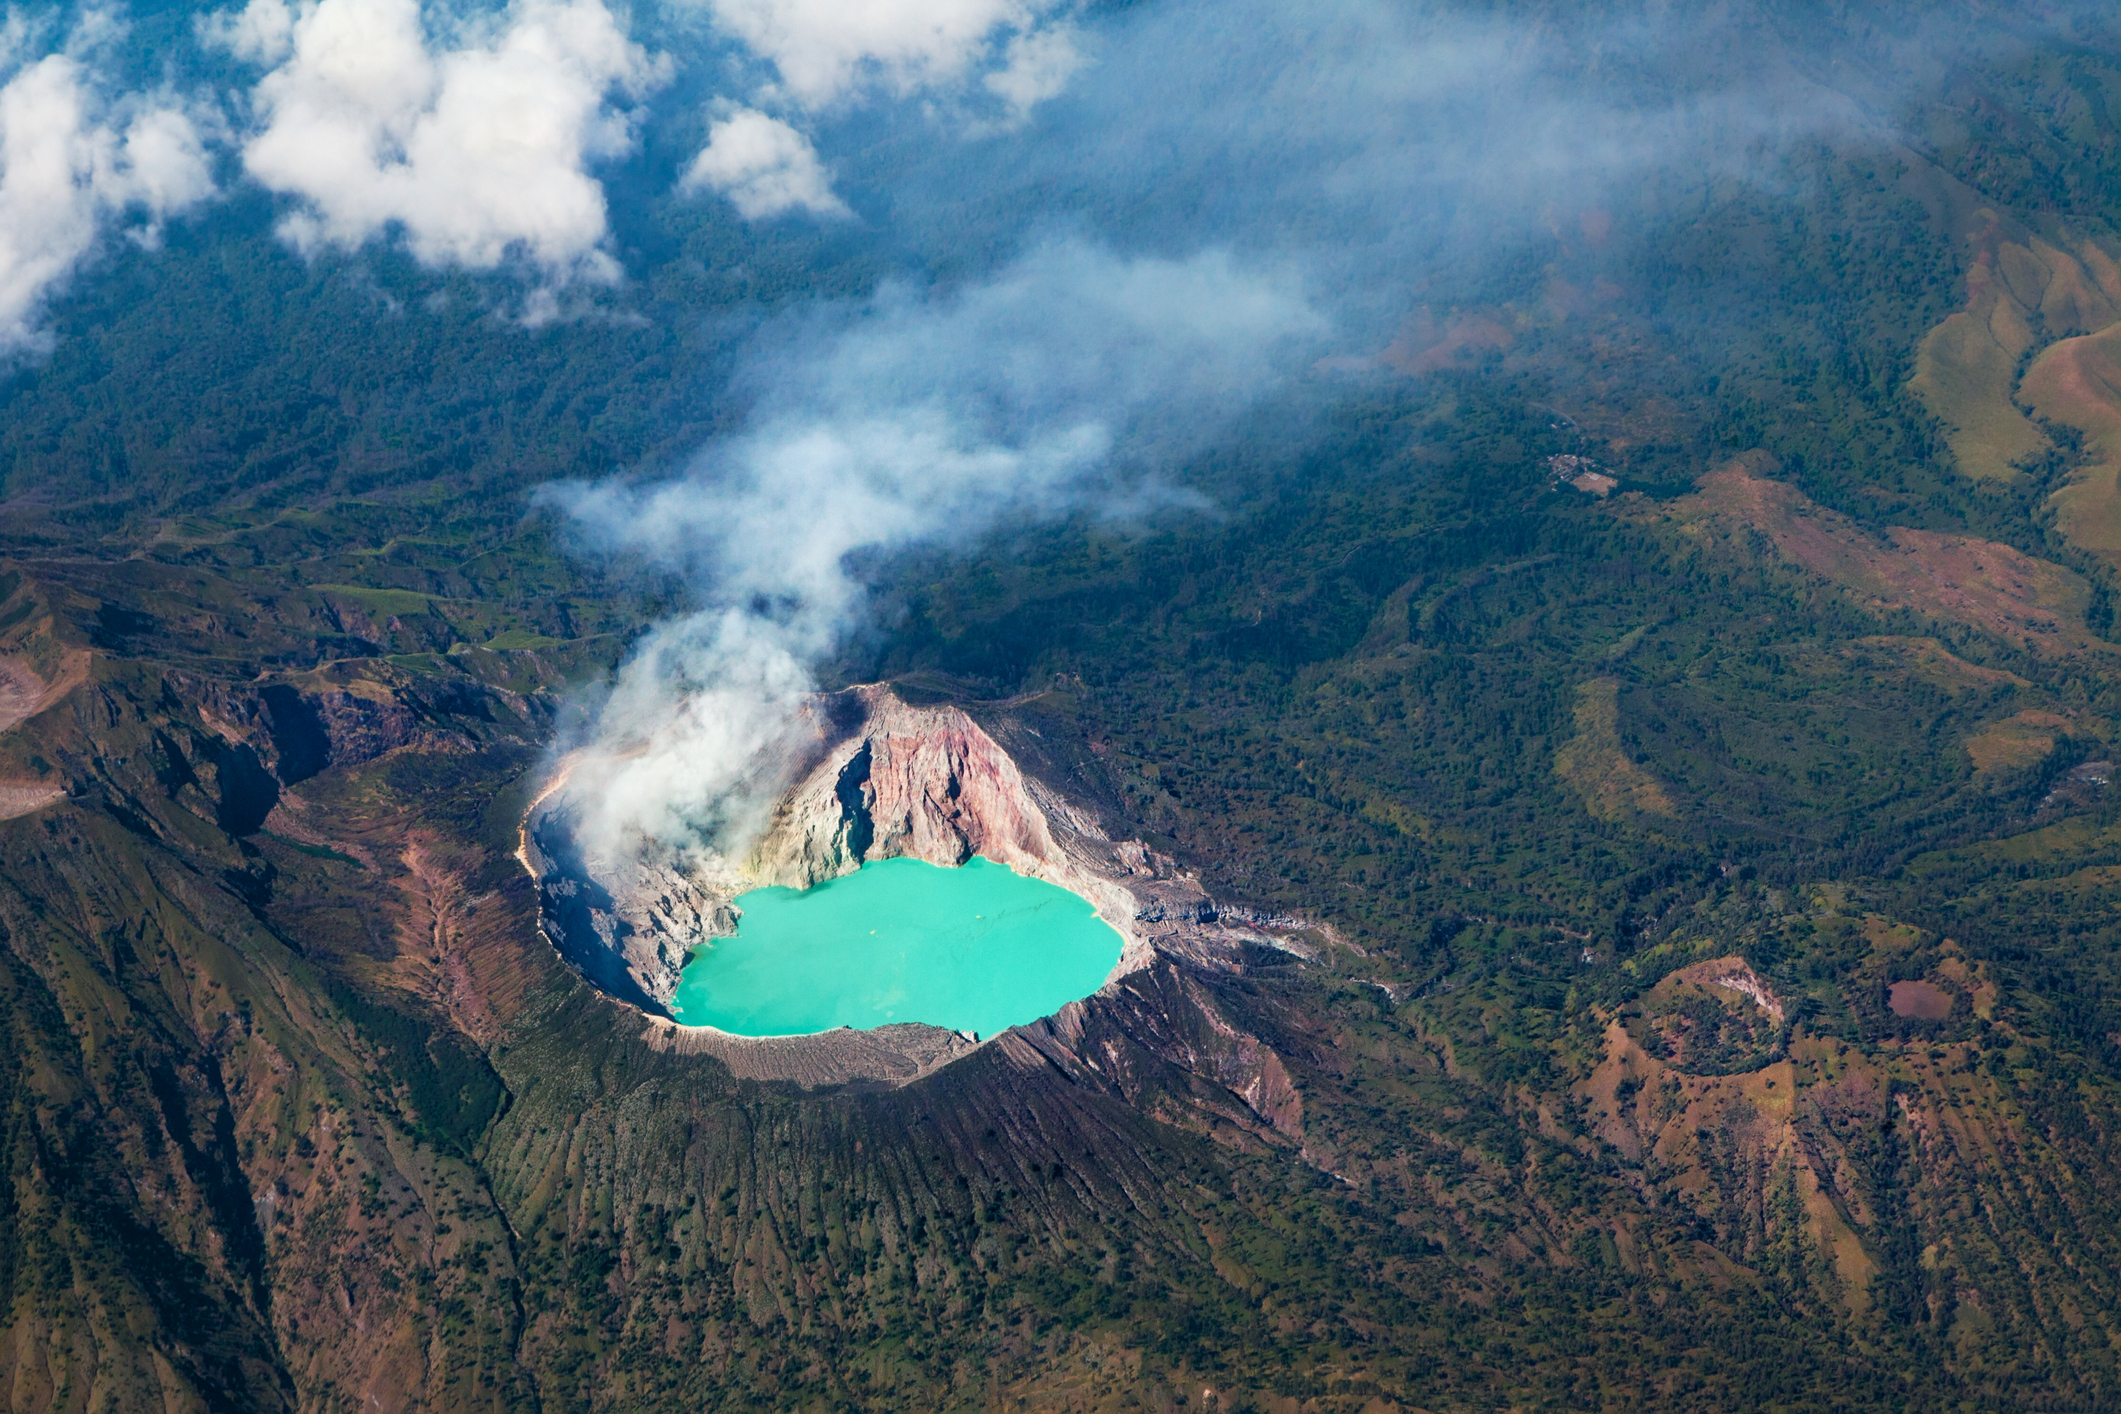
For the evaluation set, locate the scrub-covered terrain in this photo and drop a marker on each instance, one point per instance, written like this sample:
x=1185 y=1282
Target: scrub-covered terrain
x=1621 y=742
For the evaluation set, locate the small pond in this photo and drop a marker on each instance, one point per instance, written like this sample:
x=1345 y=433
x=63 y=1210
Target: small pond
x=979 y=948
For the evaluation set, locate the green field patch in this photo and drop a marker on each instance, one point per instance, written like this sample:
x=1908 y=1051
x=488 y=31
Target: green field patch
x=2066 y=840
x=380 y=601
x=518 y=640
x=314 y=851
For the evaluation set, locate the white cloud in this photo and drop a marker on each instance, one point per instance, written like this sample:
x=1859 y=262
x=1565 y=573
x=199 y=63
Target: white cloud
x=67 y=169
x=1036 y=66
x=825 y=49
x=477 y=152
x=261 y=32
x=162 y=166
x=764 y=166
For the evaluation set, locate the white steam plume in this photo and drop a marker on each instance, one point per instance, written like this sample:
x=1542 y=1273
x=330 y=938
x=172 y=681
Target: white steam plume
x=925 y=420
x=70 y=165
x=478 y=150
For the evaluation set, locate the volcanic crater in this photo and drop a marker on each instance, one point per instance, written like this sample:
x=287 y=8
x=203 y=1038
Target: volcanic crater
x=878 y=778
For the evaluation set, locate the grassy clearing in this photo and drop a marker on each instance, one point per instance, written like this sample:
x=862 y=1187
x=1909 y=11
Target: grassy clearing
x=399 y=602
x=2077 y=383
x=2016 y=741
x=1613 y=786
x=1966 y=369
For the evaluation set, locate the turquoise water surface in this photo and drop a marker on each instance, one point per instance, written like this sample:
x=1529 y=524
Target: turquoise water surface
x=980 y=948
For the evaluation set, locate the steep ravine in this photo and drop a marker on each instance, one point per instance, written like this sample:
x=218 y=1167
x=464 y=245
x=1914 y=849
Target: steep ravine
x=882 y=779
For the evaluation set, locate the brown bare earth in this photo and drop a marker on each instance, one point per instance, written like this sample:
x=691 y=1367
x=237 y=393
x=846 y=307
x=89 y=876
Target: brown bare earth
x=1715 y=1017
x=1956 y=578
x=23 y=693
x=435 y=959
x=1426 y=344
x=20 y=692
x=2016 y=741
x=1734 y=981
x=1924 y=1001
x=1654 y=1109
x=18 y=798
x=894 y=1054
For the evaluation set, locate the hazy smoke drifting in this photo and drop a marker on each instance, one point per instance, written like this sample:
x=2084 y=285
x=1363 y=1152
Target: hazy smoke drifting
x=1377 y=143
x=920 y=418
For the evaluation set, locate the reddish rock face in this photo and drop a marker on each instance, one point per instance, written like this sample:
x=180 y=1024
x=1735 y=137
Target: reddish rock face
x=982 y=806
x=909 y=782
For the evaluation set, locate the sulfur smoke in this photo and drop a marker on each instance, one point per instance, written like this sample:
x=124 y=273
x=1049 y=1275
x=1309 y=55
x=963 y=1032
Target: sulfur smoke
x=917 y=418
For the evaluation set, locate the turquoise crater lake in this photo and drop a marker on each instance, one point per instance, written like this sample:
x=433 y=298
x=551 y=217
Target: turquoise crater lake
x=978 y=948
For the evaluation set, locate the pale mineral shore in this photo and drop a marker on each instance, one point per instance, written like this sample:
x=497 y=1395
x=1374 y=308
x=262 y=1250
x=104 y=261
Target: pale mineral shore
x=880 y=779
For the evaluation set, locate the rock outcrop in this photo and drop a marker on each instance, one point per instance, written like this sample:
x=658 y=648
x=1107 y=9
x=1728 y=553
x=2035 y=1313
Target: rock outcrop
x=910 y=782
x=881 y=779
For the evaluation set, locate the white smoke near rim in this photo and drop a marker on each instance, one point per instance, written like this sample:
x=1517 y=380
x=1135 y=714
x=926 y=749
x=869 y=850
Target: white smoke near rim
x=926 y=419
x=72 y=163
x=476 y=144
